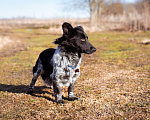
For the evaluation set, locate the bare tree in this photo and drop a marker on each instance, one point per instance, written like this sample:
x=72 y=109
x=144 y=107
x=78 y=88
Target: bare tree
x=143 y=8
x=95 y=11
x=94 y=7
x=136 y=15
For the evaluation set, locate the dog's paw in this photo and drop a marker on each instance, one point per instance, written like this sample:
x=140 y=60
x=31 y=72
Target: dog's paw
x=60 y=102
x=30 y=91
x=73 y=98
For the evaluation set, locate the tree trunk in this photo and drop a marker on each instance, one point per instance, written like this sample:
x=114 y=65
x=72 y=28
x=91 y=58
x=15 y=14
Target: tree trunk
x=95 y=11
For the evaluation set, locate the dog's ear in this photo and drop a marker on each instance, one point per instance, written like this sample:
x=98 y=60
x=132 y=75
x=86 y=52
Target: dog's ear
x=80 y=28
x=58 y=40
x=67 y=28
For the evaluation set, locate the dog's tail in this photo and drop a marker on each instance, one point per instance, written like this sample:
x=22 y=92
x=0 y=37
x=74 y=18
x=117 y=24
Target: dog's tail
x=35 y=67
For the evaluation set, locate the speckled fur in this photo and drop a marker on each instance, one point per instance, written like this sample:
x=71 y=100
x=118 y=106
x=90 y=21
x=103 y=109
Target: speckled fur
x=53 y=64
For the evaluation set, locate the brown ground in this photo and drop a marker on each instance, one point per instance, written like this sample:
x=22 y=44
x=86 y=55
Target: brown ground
x=114 y=81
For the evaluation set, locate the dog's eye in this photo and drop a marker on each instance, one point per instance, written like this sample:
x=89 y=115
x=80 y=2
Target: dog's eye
x=82 y=39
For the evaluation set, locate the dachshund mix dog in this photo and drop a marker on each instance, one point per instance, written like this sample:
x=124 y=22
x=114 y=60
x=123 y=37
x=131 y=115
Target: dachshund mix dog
x=61 y=66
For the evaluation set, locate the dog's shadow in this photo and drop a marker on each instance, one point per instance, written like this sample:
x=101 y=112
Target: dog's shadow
x=23 y=89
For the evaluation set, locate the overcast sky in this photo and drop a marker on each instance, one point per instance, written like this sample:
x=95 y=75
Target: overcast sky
x=42 y=9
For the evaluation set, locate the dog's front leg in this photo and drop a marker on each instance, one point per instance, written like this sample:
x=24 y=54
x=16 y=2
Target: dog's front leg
x=71 y=95
x=57 y=92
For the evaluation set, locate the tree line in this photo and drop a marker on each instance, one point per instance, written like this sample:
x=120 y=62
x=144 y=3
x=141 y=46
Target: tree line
x=136 y=15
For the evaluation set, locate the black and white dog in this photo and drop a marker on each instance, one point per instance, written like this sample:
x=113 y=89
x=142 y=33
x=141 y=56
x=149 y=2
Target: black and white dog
x=61 y=66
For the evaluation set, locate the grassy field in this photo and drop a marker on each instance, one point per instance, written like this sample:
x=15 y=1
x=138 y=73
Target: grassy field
x=114 y=81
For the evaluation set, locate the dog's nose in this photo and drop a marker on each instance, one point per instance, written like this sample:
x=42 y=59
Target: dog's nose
x=93 y=49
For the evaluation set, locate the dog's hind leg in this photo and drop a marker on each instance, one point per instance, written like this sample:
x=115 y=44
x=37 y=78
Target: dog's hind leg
x=34 y=79
x=47 y=80
x=37 y=71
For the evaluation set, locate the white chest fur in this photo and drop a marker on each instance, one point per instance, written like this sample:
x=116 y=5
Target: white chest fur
x=62 y=73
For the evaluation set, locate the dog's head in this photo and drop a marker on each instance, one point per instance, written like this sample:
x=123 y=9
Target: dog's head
x=75 y=39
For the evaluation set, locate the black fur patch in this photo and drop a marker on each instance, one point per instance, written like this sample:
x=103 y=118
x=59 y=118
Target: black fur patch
x=45 y=57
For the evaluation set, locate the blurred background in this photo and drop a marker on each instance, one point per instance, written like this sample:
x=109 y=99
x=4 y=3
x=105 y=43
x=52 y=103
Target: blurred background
x=95 y=15
x=115 y=80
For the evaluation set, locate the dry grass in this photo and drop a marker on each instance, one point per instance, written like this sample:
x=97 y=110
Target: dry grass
x=38 y=23
x=9 y=43
x=114 y=81
x=132 y=21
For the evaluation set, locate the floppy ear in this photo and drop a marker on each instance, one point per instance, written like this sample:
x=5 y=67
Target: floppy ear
x=67 y=28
